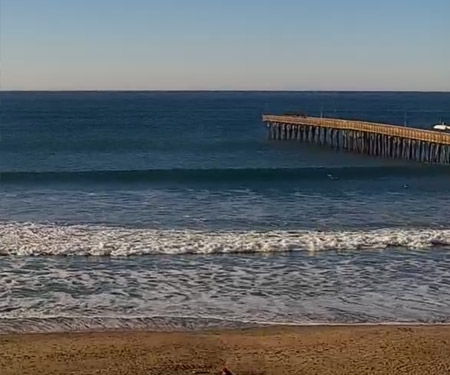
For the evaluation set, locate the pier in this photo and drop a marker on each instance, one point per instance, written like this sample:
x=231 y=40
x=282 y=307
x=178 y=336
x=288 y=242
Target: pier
x=374 y=139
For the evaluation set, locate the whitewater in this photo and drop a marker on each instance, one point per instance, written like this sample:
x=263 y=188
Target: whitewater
x=28 y=239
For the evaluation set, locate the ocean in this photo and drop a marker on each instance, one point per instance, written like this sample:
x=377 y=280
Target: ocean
x=173 y=210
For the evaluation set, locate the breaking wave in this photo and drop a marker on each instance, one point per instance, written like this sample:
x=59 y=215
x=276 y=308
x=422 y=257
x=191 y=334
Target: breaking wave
x=27 y=239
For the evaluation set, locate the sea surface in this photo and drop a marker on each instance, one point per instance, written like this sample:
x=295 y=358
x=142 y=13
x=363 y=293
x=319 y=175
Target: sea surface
x=172 y=210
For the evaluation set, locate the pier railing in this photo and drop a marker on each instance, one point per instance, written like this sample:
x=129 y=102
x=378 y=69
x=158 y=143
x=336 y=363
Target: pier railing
x=375 y=139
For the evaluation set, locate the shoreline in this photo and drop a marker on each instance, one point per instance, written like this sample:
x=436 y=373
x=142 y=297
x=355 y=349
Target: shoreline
x=278 y=349
x=165 y=324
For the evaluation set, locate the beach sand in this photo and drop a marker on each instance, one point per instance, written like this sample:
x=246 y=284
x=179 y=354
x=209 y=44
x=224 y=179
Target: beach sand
x=276 y=350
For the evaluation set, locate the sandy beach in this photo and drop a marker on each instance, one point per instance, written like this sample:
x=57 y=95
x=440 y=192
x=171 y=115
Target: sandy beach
x=276 y=350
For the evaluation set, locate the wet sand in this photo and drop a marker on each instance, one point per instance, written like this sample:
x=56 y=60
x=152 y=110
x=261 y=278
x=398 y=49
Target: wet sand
x=276 y=350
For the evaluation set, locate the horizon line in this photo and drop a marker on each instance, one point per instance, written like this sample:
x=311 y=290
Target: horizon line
x=227 y=90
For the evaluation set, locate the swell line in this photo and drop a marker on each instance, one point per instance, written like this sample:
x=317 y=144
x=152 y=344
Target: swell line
x=222 y=175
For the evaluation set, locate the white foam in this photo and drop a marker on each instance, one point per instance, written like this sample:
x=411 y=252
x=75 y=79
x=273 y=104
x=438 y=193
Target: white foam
x=27 y=239
x=103 y=293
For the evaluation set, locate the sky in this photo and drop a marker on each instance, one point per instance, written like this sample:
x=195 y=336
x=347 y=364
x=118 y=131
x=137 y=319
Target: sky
x=225 y=45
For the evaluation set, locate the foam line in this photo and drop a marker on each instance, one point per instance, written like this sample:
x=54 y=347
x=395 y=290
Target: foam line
x=27 y=239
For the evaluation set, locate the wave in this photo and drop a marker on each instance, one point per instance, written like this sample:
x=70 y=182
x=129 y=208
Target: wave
x=223 y=175
x=27 y=239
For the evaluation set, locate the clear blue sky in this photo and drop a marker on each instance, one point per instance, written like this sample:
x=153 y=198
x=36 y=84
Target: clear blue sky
x=226 y=44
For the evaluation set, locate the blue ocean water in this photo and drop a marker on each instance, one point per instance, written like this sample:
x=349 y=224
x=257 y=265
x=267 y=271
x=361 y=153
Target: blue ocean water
x=120 y=207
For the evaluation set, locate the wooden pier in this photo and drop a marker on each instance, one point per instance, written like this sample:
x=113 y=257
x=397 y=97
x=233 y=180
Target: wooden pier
x=382 y=140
